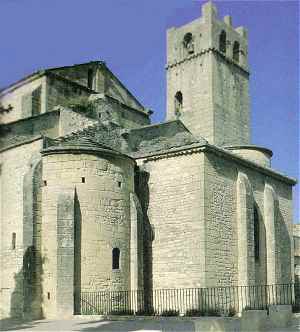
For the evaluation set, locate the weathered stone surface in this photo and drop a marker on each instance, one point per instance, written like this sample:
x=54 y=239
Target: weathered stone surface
x=93 y=197
x=214 y=87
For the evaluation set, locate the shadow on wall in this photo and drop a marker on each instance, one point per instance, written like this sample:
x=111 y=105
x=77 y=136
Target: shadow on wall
x=142 y=191
x=261 y=260
x=284 y=246
x=26 y=298
x=77 y=254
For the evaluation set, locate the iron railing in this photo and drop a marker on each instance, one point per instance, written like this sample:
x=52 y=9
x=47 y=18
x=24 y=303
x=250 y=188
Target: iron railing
x=216 y=301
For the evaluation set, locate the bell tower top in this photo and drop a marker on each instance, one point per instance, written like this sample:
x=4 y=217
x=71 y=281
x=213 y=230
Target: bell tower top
x=208 y=78
x=205 y=33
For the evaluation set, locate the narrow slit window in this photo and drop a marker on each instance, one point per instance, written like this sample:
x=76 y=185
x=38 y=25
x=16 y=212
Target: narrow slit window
x=13 y=241
x=45 y=183
x=119 y=184
x=83 y=180
x=48 y=295
x=115 y=258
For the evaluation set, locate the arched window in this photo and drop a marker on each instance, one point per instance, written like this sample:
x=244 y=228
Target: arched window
x=13 y=241
x=222 y=41
x=256 y=233
x=178 y=103
x=188 y=42
x=90 y=78
x=236 y=51
x=115 y=258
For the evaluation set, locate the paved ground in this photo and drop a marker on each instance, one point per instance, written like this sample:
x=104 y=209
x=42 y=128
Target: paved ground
x=101 y=326
x=86 y=325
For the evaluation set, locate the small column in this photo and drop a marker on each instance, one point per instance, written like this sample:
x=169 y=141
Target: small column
x=246 y=266
x=65 y=253
x=270 y=216
x=244 y=217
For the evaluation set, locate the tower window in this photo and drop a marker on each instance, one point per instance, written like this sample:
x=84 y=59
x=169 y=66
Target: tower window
x=178 y=103
x=115 y=258
x=222 y=41
x=236 y=51
x=13 y=241
x=188 y=42
x=256 y=233
x=90 y=78
x=83 y=180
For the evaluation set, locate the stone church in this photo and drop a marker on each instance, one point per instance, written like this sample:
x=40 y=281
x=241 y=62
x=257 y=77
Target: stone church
x=95 y=197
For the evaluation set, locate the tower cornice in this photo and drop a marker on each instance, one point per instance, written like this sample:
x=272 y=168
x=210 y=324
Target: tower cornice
x=205 y=51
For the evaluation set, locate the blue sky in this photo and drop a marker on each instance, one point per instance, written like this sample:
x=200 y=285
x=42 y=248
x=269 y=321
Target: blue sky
x=129 y=35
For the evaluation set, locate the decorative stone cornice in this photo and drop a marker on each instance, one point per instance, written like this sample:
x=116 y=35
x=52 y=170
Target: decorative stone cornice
x=188 y=150
x=82 y=145
x=205 y=51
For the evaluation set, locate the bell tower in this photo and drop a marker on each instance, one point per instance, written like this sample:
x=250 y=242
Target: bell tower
x=208 y=78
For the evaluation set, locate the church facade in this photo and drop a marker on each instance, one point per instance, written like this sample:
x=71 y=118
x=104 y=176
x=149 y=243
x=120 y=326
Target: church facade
x=94 y=197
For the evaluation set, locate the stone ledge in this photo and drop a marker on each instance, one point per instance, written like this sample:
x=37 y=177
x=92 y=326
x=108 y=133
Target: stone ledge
x=208 y=50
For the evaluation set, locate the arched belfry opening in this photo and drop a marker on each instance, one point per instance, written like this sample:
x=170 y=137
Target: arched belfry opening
x=236 y=51
x=178 y=102
x=188 y=43
x=222 y=42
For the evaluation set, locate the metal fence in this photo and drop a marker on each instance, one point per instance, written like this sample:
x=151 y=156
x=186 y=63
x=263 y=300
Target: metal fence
x=217 y=301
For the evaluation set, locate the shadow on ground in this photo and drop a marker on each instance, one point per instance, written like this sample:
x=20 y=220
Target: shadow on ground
x=17 y=324
x=99 y=326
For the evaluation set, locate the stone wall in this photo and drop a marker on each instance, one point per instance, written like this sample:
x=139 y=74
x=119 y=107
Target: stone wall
x=62 y=92
x=19 y=214
x=101 y=187
x=297 y=251
x=214 y=87
x=230 y=100
x=53 y=124
x=221 y=224
x=73 y=121
x=194 y=215
x=172 y=198
x=78 y=73
x=109 y=109
x=115 y=89
x=297 y=240
x=21 y=101
x=25 y=129
x=102 y=81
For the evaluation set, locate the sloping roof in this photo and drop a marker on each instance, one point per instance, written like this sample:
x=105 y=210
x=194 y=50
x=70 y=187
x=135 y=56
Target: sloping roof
x=160 y=137
x=133 y=143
